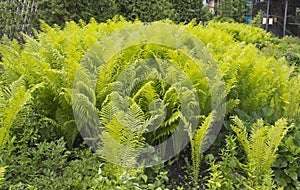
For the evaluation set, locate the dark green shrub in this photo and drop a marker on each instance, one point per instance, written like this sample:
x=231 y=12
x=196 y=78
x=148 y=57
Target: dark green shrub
x=58 y=12
x=16 y=17
x=231 y=10
x=186 y=10
x=146 y=11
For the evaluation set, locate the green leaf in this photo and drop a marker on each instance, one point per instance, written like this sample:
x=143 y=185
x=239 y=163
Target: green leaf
x=293 y=175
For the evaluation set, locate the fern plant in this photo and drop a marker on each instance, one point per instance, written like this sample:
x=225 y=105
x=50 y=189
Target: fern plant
x=12 y=101
x=256 y=85
x=260 y=148
x=198 y=140
x=123 y=140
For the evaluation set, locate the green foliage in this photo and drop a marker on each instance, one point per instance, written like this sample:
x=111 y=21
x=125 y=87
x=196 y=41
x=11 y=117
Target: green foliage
x=256 y=21
x=24 y=16
x=227 y=173
x=286 y=48
x=47 y=67
x=47 y=165
x=123 y=139
x=286 y=167
x=232 y=10
x=2 y=173
x=13 y=100
x=260 y=86
x=16 y=17
x=260 y=148
x=197 y=141
x=43 y=69
x=146 y=11
x=111 y=176
x=254 y=169
x=187 y=10
x=144 y=88
x=58 y=12
x=245 y=33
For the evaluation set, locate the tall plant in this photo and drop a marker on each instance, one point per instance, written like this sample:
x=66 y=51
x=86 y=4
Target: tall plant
x=260 y=148
x=12 y=101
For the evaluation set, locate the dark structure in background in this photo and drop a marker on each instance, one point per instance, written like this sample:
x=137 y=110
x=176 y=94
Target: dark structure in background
x=281 y=17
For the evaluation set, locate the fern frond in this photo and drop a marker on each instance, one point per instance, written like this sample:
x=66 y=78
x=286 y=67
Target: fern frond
x=275 y=135
x=70 y=132
x=231 y=104
x=86 y=115
x=197 y=140
x=17 y=101
x=135 y=118
x=242 y=134
x=171 y=99
x=122 y=139
x=258 y=147
x=117 y=152
x=2 y=174
x=172 y=119
x=106 y=113
x=164 y=132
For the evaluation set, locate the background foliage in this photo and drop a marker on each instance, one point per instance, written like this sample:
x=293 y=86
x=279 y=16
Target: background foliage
x=232 y=10
x=23 y=16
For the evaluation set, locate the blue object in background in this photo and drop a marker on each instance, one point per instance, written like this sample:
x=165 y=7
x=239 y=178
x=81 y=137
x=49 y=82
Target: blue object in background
x=249 y=12
x=248 y=19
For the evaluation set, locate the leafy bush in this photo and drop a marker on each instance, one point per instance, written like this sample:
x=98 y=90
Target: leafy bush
x=59 y=12
x=245 y=33
x=146 y=11
x=187 y=10
x=287 y=48
x=226 y=173
x=16 y=17
x=234 y=10
x=49 y=165
x=286 y=167
x=24 y=16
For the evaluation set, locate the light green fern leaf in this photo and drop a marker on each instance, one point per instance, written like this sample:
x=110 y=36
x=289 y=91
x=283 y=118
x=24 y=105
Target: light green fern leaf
x=242 y=134
x=2 y=173
x=197 y=141
x=18 y=96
